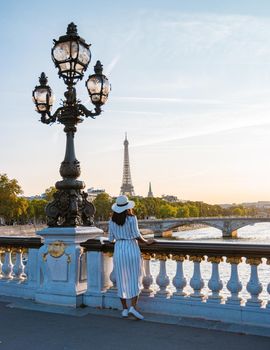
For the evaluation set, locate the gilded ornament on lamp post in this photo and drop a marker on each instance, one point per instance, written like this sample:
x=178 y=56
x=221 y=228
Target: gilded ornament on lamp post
x=71 y=55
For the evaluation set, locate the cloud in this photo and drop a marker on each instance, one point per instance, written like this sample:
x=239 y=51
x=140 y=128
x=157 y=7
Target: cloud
x=112 y=64
x=197 y=133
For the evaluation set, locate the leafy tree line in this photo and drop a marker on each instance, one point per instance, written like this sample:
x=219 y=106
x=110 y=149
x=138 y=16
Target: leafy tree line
x=17 y=209
x=160 y=209
x=14 y=208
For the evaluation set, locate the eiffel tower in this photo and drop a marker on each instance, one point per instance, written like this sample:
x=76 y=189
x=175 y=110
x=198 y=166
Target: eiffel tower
x=127 y=187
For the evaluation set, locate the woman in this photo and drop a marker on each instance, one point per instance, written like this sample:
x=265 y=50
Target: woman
x=123 y=229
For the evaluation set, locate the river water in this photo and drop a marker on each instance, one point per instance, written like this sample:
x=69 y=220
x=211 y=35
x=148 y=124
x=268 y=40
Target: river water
x=255 y=234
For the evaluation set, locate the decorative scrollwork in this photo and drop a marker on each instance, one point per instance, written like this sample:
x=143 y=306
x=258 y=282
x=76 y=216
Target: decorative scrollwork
x=70 y=208
x=70 y=169
x=44 y=257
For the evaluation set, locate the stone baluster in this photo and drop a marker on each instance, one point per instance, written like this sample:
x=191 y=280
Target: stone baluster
x=234 y=285
x=179 y=280
x=26 y=266
x=18 y=268
x=147 y=277
x=1 y=251
x=112 y=276
x=162 y=278
x=7 y=267
x=268 y=287
x=196 y=281
x=215 y=284
x=254 y=287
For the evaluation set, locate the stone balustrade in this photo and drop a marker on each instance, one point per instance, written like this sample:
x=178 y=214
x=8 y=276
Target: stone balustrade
x=173 y=282
x=219 y=282
x=18 y=266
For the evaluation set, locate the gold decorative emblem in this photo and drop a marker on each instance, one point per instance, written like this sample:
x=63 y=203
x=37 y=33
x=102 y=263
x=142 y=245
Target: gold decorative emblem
x=56 y=249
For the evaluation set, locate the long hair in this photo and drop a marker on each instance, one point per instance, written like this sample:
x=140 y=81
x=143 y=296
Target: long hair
x=120 y=218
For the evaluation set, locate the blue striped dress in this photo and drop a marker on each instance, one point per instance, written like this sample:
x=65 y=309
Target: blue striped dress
x=127 y=257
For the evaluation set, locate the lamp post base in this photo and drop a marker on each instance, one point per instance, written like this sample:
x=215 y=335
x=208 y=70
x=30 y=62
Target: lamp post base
x=70 y=208
x=62 y=277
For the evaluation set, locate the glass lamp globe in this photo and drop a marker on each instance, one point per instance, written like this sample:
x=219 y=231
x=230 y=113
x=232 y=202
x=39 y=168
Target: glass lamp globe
x=71 y=55
x=43 y=96
x=98 y=86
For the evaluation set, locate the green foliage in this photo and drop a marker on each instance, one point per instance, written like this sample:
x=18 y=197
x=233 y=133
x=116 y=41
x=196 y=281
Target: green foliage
x=183 y=212
x=167 y=211
x=36 y=210
x=11 y=205
x=49 y=192
x=103 y=203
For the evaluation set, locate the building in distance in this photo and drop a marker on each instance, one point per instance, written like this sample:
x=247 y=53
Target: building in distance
x=93 y=192
x=170 y=198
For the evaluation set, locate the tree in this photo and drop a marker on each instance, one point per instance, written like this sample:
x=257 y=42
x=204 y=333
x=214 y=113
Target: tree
x=140 y=209
x=37 y=210
x=238 y=211
x=11 y=205
x=103 y=204
x=49 y=192
x=183 y=212
x=193 y=211
x=167 y=211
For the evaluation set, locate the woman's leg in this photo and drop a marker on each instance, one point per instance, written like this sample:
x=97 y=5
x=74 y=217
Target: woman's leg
x=124 y=303
x=134 y=301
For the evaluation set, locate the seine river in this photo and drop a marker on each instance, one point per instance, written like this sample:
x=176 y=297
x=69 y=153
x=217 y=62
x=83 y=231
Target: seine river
x=256 y=234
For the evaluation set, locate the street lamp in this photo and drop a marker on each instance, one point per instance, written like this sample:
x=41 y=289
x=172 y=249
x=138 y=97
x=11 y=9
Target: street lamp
x=71 y=55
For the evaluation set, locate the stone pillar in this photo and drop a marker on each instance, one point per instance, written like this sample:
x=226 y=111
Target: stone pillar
x=99 y=268
x=61 y=277
x=228 y=231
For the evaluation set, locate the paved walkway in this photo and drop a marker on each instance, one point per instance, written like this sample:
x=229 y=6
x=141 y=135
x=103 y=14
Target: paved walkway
x=79 y=330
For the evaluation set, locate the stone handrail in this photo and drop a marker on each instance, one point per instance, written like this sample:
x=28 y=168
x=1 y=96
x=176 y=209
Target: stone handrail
x=20 y=242
x=191 y=248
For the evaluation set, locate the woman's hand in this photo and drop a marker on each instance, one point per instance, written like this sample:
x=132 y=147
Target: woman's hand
x=150 y=241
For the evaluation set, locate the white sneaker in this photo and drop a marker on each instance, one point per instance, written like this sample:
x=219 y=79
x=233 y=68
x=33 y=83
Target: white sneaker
x=135 y=313
x=125 y=313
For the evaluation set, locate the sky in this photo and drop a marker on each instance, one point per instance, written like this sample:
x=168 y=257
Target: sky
x=190 y=86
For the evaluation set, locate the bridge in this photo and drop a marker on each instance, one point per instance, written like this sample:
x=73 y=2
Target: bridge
x=227 y=225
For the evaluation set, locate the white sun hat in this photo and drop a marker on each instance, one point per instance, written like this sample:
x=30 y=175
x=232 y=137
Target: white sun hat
x=122 y=203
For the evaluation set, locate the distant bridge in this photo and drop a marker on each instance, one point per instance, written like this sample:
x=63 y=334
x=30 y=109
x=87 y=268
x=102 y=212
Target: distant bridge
x=227 y=225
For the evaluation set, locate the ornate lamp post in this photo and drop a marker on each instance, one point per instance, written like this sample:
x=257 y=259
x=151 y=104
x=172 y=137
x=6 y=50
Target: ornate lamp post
x=71 y=55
